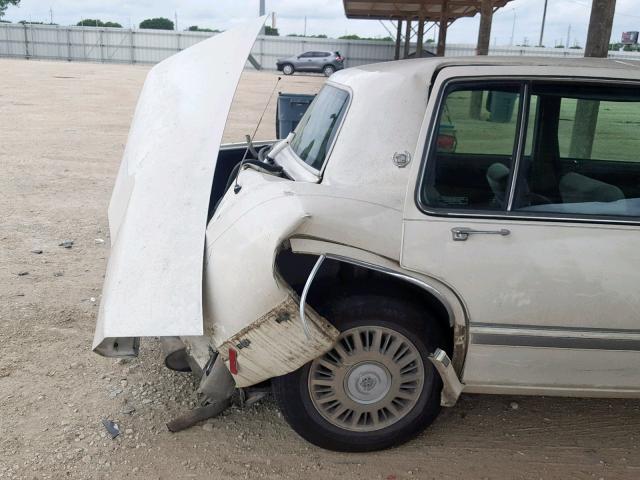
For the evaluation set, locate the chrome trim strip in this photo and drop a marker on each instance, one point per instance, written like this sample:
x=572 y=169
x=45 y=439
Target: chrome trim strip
x=495 y=327
x=555 y=342
x=305 y=291
x=515 y=168
x=555 y=337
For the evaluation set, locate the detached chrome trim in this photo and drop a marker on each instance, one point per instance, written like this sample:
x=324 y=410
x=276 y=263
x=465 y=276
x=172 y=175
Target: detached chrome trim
x=452 y=387
x=305 y=291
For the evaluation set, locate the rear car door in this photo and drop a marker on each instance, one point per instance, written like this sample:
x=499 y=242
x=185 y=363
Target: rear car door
x=305 y=61
x=527 y=204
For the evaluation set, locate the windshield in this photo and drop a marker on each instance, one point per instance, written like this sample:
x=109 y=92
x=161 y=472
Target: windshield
x=317 y=129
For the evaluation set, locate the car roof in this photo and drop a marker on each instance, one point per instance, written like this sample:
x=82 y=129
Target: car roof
x=425 y=67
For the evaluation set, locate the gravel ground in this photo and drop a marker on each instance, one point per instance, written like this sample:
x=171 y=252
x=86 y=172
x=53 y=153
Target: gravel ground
x=62 y=132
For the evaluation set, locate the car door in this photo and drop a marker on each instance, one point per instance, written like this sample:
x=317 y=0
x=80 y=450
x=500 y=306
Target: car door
x=541 y=245
x=319 y=60
x=305 y=62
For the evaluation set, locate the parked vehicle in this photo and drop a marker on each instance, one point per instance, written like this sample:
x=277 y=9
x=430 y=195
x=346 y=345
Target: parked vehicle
x=314 y=61
x=431 y=227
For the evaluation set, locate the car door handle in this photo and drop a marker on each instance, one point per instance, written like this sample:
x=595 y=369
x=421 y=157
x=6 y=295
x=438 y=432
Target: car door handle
x=460 y=234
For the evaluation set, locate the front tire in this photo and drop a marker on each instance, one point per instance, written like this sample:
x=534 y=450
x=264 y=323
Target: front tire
x=288 y=69
x=376 y=388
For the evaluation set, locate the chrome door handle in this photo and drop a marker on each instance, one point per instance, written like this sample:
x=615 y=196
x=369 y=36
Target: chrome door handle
x=460 y=234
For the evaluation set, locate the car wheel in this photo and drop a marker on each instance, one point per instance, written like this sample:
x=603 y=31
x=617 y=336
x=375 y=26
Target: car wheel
x=288 y=69
x=328 y=70
x=376 y=388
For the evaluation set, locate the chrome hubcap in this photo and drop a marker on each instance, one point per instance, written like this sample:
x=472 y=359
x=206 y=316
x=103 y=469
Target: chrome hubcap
x=372 y=378
x=368 y=383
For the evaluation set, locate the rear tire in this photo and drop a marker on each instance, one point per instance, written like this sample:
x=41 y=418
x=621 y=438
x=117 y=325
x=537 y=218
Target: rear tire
x=328 y=70
x=386 y=379
x=288 y=69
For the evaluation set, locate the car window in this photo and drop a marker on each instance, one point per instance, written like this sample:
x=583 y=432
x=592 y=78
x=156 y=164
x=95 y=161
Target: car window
x=324 y=54
x=470 y=159
x=306 y=55
x=583 y=152
x=314 y=134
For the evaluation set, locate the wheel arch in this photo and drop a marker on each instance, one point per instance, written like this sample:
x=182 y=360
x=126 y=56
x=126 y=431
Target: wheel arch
x=295 y=262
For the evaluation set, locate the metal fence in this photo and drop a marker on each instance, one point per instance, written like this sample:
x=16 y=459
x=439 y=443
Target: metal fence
x=118 y=45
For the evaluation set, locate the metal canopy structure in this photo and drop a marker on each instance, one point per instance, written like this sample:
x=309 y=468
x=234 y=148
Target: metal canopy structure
x=438 y=12
x=430 y=10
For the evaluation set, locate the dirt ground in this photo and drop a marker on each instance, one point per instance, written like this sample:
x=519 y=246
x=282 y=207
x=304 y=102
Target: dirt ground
x=63 y=127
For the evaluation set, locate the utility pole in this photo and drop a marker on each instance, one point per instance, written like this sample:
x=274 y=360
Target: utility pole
x=51 y=16
x=305 y=26
x=513 y=27
x=175 y=14
x=544 y=17
x=586 y=118
x=566 y=45
x=262 y=9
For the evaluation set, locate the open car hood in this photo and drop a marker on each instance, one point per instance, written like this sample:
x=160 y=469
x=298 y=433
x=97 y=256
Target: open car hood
x=158 y=209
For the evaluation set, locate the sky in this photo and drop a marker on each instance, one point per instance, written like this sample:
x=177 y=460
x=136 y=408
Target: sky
x=522 y=17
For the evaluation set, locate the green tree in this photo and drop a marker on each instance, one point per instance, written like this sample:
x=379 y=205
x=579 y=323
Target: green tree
x=94 y=22
x=159 y=23
x=195 y=28
x=4 y=4
x=271 y=31
x=358 y=37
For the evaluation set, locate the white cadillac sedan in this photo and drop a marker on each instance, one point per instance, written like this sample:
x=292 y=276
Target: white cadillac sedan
x=432 y=227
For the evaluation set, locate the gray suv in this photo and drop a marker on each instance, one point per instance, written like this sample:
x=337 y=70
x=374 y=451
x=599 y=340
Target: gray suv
x=324 y=62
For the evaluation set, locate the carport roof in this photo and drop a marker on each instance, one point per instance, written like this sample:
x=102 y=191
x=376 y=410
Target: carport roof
x=430 y=10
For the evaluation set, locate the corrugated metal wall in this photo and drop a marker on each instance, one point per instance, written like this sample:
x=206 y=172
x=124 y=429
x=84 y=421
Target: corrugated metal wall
x=151 y=46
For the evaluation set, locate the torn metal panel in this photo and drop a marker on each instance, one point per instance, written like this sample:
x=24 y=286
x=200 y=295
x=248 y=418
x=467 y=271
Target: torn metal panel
x=158 y=210
x=276 y=344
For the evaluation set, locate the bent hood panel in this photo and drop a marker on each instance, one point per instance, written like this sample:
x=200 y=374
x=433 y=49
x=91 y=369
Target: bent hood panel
x=158 y=209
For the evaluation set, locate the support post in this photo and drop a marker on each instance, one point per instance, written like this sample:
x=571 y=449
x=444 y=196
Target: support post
x=484 y=32
x=26 y=42
x=69 y=54
x=407 y=38
x=132 y=45
x=586 y=118
x=442 y=36
x=419 y=42
x=443 y=24
x=396 y=55
x=484 y=37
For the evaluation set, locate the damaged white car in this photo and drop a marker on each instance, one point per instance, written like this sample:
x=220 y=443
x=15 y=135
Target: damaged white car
x=431 y=227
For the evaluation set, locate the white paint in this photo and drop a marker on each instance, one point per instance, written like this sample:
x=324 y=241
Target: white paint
x=158 y=209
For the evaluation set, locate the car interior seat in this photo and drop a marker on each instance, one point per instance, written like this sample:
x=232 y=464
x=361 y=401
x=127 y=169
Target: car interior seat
x=498 y=178
x=577 y=188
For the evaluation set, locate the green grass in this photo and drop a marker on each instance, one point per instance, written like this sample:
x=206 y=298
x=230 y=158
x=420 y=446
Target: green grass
x=617 y=132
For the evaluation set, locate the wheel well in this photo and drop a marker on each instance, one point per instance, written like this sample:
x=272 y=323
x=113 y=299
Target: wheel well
x=338 y=278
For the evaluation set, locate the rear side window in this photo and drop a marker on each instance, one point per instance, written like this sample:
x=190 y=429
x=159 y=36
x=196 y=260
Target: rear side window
x=584 y=151
x=471 y=156
x=314 y=135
